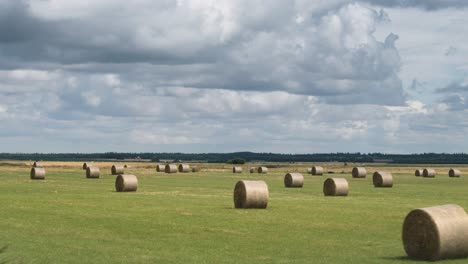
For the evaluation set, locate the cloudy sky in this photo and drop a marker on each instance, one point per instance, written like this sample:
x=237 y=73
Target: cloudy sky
x=234 y=75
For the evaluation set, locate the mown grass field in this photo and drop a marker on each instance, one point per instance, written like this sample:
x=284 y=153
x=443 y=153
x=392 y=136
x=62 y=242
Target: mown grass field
x=189 y=218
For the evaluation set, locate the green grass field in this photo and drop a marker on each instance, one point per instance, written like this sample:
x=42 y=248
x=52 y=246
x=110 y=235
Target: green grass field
x=189 y=218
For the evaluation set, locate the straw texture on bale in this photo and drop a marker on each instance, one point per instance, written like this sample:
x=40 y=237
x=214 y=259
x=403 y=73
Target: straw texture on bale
x=37 y=164
x=293 y=180
x=184 y=168
x=126 y=183
x=170 y=168
x=382 y=179
x=92 y=172
x=37 y=173
x=317 y=170
x=236 y=169
x=309 y=170
x=251 y=194
x=429 y=173
x=159 y=168
x=86 y=165
x=418 y=172
x=262 y=170
x=359 y=172
x=117 y=169
x=252 y=170
x=454 y=173
x=434 y=233
x=335 y=187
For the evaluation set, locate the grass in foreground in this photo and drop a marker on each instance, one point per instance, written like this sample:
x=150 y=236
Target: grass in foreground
x=189 y=218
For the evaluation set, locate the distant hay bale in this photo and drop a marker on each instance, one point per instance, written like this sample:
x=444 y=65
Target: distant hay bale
x=37 y=173
x=382 y=179
x=359 y=172
x=252 y=170
x=262 y=169
x=126 y=183
x=317 y=170
x=184 y=168
x=309 y=170
x=92 y=172
x=86 y=165
x=195 y=169
x=435 y=233
x=170 y=168
x=295 y=180
x=38 y=164
x=236 y=169
x=429 y=173
x=454 y=173
x=117 y=169
x=418 y=172
x=335 y=187
x=160 y=168
x=251 y=194
x=125 y=166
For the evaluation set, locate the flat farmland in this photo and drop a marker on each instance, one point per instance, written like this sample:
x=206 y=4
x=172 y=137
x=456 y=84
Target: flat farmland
x=190 y=217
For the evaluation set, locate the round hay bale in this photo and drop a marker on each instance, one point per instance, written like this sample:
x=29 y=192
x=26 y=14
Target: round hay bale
x=236 y=169
x=429 y=173
x=335 y=187
x=359 y=172
x=309 y=170
x=418 y=172
x=317 y=170
x=125 y=166
x=382 y=179
x=117 y=169
x=38 y=164
x=295 y=180
x=184 y=168
x=262 y=169
x=195 y=169
x=92 y=172
x=37 y=173
x=251 y=194
x=252 y=170
x=435 y=233
x=159 y=168
x=170 y=168
x=454 y=173
x=86 y=165
x=126 y=183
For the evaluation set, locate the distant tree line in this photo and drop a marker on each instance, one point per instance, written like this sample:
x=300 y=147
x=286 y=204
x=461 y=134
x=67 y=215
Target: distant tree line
x=434 y=158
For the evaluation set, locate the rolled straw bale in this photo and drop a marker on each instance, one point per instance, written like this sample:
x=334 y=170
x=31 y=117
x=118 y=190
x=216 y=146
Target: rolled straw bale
x=170 y=168
x=429 y=173
x=117 y=169
x=184 y=168
x=317 y=170
x=252 y=170
x=435 y=233
x=37 y=164
x=418 y=172
x=262 y=170
x=251 y=194
x=382 y=179
x=236 y=169
x=335 y=187
x=294 y=180
x=454 y=173
x=126 y=183
x=159 y=168
x=37 y=173
x=359 y=172
x=195 y=169
x=92 y=172
x=86 y=165
x=125 y=166
x=309 y=170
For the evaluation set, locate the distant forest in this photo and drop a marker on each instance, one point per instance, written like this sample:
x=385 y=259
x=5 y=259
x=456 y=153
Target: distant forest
x=431 y=158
